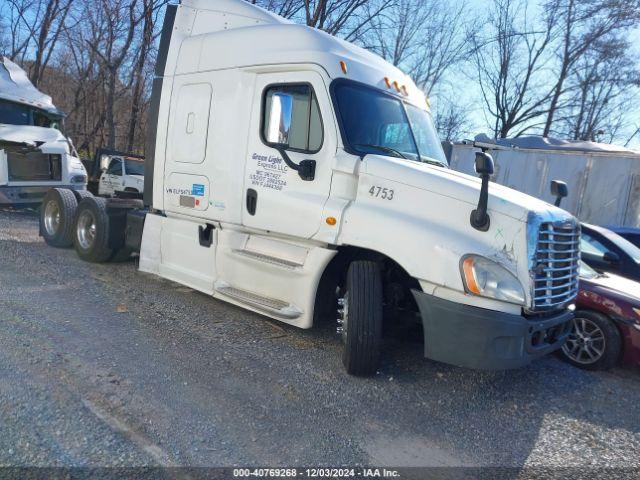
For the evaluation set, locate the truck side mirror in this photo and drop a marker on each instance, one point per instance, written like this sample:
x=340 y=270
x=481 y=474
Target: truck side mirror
x=611 y=257
x=484 y=167
x=559 y=190
x=279 y=118
x=278 y=128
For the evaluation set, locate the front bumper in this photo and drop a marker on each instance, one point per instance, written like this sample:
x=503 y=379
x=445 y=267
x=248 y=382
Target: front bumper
x=30 y=195
x=483 y=339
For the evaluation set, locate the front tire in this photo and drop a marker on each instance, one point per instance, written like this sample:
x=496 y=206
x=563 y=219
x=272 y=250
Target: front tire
x=594 y=342
x=57 y=216
x=91 y=238
x=361 y=317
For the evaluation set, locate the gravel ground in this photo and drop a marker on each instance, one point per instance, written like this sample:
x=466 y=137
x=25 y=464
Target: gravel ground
x=103 y=366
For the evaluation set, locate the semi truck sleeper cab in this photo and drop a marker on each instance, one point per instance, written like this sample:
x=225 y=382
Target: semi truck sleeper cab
x=299 y=176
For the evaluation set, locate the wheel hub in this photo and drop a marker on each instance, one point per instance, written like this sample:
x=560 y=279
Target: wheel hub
x=51 y=217
x=343 y=316
x=586 y=342
x=86 y=229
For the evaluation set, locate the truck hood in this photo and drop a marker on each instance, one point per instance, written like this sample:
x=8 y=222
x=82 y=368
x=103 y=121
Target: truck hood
x=450 y=183
x=49 y=140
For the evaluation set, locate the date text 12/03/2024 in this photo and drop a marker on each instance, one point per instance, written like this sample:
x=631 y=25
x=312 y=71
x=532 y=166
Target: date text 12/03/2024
x=315 y=473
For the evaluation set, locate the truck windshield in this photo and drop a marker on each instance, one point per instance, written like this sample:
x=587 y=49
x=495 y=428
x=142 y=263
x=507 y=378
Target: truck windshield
x=134 y=167
x=17 y=114
x=14 y=113
x=376 y=122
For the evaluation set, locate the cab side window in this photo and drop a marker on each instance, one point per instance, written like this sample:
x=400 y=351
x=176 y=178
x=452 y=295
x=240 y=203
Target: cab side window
x=115 y=167
x=291 y=118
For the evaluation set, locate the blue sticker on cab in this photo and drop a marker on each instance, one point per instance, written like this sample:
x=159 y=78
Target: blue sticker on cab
x=197 y=190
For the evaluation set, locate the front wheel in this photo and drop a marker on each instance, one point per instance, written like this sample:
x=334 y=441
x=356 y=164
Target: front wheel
x=594 y=342
x=360 y=318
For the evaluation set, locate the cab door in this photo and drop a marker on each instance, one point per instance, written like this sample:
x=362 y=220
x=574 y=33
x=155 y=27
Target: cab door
x=292 y=140
x=112 y=177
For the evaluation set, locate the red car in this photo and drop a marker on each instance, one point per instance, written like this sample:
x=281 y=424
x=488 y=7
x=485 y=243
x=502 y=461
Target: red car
x=606 y=328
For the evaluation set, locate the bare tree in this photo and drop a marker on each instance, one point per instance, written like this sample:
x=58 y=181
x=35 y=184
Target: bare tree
x=118 y=19
x=451 y=120
x=603 y=82
x=284 y=8
x=582 y=24
x=510 y=67
x=394 y=34
x=47 y=35
x=21 y=29
x=150 y=9
x=425 y=38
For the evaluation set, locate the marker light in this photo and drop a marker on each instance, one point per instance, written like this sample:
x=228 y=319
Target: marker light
x=396 y=85
x=387 y=81
x=343 y=66
x=331 y=221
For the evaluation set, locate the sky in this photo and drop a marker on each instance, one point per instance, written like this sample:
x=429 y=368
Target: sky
x=468 y=93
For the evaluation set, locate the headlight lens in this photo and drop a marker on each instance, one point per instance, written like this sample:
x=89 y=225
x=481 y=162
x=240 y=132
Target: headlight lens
x=487 y=278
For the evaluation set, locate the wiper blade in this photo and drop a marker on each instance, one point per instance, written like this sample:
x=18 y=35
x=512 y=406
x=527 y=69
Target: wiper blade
x=432 y=162
x=381 y=147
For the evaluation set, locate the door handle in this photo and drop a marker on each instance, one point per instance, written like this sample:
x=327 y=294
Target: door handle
x=252 y=201
x=205 y=235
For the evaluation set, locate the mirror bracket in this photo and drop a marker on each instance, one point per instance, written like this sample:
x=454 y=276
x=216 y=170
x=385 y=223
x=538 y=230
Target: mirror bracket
x=306 y=168
x=480 y=219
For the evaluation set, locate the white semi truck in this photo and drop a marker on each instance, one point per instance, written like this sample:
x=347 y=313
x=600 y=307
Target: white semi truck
x=299 y=176
x=34 y=154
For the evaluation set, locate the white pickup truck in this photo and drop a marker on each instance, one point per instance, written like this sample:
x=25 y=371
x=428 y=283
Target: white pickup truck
x=124 y=173
x=34 y=154
x=299 y=176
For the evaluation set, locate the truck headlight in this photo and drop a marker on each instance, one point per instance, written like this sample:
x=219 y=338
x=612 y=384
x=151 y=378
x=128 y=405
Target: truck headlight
x=486 y=278
x=79 y=179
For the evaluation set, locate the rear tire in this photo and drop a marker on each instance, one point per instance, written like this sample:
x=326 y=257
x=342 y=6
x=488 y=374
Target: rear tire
x=594 y=342
x=57 y=217
x=362 y=318
x=91 y=239
x=82 y=194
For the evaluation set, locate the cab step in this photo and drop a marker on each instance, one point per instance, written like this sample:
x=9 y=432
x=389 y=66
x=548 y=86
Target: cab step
x=268 y=305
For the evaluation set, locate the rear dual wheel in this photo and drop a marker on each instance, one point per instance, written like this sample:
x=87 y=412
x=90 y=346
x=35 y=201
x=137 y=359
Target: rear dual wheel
x=91 y=238
x=57 y=217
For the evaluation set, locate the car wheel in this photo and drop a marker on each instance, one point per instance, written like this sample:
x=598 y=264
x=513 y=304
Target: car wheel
x=360 y=318
x=594 y=342
x=92 y=230
x=57 y=217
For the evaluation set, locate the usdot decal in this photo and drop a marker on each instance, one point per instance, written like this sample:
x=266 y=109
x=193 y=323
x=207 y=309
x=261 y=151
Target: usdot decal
x=270 y=172
x=197 y=190
x=187 y=191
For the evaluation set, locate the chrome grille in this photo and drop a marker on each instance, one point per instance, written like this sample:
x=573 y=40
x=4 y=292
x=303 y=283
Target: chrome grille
x=555 y=273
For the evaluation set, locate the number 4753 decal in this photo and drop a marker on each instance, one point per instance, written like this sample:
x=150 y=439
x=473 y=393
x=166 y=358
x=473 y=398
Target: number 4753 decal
x=379 y=192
